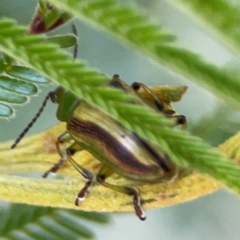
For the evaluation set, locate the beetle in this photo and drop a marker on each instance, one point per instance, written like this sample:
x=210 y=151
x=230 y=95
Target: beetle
x=152 y=98
x=162 y=105
x=119 y=150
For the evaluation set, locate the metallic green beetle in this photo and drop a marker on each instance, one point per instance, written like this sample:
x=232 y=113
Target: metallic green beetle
x=119 y=150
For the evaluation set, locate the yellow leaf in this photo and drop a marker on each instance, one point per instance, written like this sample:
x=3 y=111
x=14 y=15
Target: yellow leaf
x=37 y=153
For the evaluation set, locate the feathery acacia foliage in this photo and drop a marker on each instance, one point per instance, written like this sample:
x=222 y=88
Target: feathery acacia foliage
x=20 y=221
x=133 y=29
x=221 y=16
x=17 y=83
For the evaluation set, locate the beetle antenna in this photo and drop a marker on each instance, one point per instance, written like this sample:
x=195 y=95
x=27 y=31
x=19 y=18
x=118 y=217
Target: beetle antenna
x=52 y=96
x=75 y=50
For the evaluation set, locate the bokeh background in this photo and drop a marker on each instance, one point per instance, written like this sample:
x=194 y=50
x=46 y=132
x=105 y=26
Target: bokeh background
x=216 y=216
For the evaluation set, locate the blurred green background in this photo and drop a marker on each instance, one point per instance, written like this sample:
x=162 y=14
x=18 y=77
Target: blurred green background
x=216 y=216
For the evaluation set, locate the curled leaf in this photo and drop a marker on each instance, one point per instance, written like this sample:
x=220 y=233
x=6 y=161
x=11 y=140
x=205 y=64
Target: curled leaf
x=47 y=18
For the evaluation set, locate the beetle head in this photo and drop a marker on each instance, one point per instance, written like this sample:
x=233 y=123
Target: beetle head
x=66 y=101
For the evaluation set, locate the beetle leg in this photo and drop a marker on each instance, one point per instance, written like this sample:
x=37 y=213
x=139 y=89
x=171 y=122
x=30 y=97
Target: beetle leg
x=86 y=174
x=54 y=168
x=105 y=172
x=180 y=119
x=65 y=137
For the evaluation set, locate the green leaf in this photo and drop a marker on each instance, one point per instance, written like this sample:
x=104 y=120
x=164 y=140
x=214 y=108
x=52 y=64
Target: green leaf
x=7 y=96
x=21 y=221
x=52 y=17
x=17 y=86
x=5 y=110
x=64 y=41
x=13 y=90
x=26 y=74
x=8 y=60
